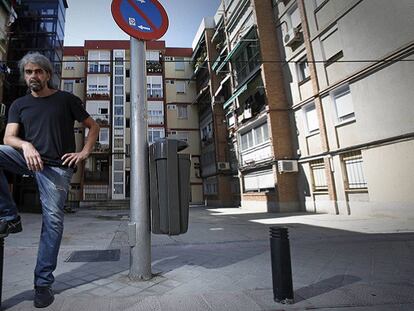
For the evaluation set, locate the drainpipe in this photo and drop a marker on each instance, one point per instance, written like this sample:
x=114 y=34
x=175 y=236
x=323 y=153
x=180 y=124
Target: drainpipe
x=318 y=104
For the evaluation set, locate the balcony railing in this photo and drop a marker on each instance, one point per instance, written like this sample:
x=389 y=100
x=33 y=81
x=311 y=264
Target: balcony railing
x=154 y=93
x=90 y=94
x=156 y=120
x=154 y=67
x=101 y=148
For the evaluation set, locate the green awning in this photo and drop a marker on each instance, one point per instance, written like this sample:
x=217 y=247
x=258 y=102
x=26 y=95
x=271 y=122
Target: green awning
x=230 y=55
x=241 y=89
x=234 y=96
x=236 y=48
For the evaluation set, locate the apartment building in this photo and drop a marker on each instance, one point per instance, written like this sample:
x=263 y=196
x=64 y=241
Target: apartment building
x=182 y=115
x=250 y=132
x=219 y=176
x=349 y=85
x=104 y=85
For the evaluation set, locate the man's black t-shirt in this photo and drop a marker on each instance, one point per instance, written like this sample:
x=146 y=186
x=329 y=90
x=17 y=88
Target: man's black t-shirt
x=48 y=123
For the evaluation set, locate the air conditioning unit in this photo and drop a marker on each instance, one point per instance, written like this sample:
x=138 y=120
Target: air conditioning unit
x=287 y=166
x=223 y=166
x=292 y=36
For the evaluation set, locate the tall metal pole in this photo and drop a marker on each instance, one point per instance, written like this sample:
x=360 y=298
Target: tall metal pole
x=139 y=226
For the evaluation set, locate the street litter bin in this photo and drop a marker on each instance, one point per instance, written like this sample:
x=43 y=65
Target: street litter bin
x=169 y=187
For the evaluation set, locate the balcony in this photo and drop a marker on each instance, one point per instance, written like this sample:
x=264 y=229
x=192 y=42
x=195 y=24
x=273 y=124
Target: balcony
x=154 y=93
x=97 y=95
x=101 y=148
x=154 y=67
x=96 y=176
x=101 y=119
x=156 y=120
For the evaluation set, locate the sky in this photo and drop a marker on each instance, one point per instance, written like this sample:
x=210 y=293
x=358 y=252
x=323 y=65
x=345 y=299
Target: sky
x=92 y=20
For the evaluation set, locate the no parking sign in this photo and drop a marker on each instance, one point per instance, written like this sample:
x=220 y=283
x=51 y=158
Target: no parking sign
x=141 y=19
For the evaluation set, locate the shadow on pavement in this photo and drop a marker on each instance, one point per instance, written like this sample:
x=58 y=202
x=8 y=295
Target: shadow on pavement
x=315 y=251
x=324 y=286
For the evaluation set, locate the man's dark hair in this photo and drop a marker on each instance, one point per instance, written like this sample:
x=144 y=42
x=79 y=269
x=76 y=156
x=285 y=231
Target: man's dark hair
x=40 y=60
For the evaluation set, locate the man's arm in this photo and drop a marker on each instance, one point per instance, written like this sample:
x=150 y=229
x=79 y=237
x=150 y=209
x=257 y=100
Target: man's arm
x=32 y=157
x=77 y=157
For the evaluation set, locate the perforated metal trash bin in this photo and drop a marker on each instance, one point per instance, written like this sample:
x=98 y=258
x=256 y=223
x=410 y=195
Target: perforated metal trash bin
x=169 y=187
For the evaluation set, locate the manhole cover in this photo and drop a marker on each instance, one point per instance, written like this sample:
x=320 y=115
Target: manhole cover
x=94 y=256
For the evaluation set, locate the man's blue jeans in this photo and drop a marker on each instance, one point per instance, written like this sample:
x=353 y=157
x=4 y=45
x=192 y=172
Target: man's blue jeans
x=53 y=183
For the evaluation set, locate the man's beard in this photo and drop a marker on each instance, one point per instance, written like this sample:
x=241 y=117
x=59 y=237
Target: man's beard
x=36 y=86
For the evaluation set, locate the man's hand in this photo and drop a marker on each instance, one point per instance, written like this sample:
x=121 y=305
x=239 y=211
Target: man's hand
x=73 y=159
x=32 y=157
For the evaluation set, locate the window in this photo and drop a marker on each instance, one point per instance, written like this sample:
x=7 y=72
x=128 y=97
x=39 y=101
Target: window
x=118 y=165
x=152 y=56
x=303 y=70
x=119 y=100
x=118 y=143
x=104 y=136
x=119 y=70
x=179 y=63
x=119 y=80
x=294 y=17
x=118 y=132
x=311 y=119
x=254 y=137
x=119 y=90
x=343 y=105
x=68 y=86
x=118 y=121
x=103 y=110
x=119 y=111
x=318 y=175
x=354 y=171
x=247 y=60
x=155 y=134
x=99 y=61
x=260 y=180
x=98 y=83
x=182 y=112
x=154 y=86
x=180 y=87
x=118 y=177
x=210 y=186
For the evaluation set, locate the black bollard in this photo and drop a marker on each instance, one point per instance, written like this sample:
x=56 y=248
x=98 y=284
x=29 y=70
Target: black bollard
x=281 y=266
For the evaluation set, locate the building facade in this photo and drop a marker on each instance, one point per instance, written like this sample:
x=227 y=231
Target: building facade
x=181 y=114
x=246 y=103
x=349 y=84
x=99 y=73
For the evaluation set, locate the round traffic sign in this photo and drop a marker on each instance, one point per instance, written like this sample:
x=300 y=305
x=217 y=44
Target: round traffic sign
x=141 y=19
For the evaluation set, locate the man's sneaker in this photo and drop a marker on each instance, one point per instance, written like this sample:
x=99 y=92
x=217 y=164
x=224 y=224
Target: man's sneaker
x=11 y=226
x=43 y=296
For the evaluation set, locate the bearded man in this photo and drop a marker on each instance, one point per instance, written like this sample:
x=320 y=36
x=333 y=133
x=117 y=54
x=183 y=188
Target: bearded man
x=47 y=151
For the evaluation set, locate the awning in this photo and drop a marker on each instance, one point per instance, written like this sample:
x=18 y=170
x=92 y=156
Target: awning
x=242 y=42
x=241 y=89
x=234 y=96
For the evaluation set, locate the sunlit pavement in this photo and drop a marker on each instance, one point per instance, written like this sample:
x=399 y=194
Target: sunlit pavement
x=222 y=263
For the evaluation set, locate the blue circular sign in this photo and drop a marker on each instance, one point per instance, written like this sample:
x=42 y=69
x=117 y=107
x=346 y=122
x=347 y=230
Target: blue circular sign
x=141 y=19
